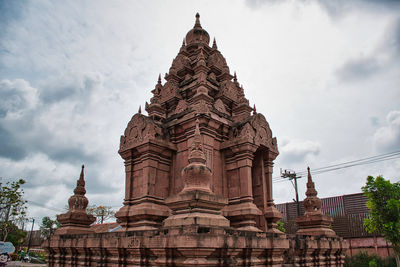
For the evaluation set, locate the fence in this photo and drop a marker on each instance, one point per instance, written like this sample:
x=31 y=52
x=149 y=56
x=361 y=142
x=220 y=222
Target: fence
x=347 y=211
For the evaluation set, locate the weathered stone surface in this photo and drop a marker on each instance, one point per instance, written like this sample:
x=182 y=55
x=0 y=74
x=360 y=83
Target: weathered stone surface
x=313 y=222
x=76 y=220
x=198 y=180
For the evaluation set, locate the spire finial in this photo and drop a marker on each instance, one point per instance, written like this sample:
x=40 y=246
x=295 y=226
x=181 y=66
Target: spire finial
x=214 y=45
x=183 y=42
x=196 y=151
x=82 y=176
x=140 y=109
x=234 y=76
x=254 y=109
x=197 y=24
x=80 y=184
x=76 y=214
x=159 y=79
x=311 y=192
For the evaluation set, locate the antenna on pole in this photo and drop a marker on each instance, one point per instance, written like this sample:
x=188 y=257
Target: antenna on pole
x=293 y=176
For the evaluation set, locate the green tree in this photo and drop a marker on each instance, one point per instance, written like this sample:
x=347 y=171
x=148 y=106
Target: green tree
x=48 y=227
x=281 y=226
x=384 y=204
x=102 y=213
x=16 y=236
x=12 y=207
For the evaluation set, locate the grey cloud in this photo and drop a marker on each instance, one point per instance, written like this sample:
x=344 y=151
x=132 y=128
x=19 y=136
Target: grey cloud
x=16 y=96
x=335 y=8
x=297 y=151
x=18 y=146
x=374 y=121
x=387 y=138
x=21 y=116
x=393 y=38
x=358 y=69
x=10 y=147
x=258 y=3
x=10 y=11
x=340 y=7
x=76 y=87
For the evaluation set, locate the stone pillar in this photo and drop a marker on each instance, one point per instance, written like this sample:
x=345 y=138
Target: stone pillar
x=241 y=211
x=271 y=214
x=148 y=160
x=147 y=169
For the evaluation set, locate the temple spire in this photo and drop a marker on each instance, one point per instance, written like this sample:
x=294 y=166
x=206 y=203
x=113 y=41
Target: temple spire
x=197 y=24
x=159 y=79
x=80 y=184
x=313 y=222
x=214 y=45
x=76 y=220
x=234 y=76
x=140 y=109
x=82 y=176
x=311 y=192
x=254 y=109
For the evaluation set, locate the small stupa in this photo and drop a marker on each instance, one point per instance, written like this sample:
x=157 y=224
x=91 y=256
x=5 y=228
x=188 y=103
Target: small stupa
x=314 y=222
x=76 y=220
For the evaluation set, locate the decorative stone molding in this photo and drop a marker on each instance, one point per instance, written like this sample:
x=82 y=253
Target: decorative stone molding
x=140 y=129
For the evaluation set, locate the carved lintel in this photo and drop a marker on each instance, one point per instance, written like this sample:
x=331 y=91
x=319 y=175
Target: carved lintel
x=140 y=128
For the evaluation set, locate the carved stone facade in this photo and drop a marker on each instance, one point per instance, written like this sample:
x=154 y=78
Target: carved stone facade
x=198 y=176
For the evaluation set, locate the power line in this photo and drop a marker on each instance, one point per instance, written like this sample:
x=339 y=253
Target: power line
x=348 y=164
x=362 y=161
x=44 y=206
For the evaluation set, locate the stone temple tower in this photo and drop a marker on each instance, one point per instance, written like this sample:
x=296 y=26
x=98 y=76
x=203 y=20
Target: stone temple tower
x=198 y=180
x=237 y=143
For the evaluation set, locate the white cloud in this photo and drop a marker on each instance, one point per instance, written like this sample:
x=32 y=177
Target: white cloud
x=387 y=138
x=76 y=73
x=16 y=97
x=296 y=151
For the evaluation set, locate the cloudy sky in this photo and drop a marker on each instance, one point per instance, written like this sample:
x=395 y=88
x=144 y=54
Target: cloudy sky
x=326 y=74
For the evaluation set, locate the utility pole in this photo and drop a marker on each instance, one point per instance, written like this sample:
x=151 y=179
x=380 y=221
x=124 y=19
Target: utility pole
x=30 y=236
x=293 y=176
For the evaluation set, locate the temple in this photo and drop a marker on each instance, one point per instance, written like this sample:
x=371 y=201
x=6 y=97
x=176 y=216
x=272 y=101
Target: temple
x=198 y=181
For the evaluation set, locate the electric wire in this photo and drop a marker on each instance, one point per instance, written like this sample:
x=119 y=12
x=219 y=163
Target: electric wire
x=44 y=206
x=348 y=164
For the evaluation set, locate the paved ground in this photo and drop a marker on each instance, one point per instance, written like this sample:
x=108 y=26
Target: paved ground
x=24 y=264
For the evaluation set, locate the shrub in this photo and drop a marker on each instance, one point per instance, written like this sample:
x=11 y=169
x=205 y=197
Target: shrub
x=362 y=259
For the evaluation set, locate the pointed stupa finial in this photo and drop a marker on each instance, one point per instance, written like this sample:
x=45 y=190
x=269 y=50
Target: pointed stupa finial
x=140 y=109
x=254 y=109
x=311 y=192
x=159 y=79
x=82 y=176
x=234 y=76
x=183 y=46
x=80 y=184
x=76 y=214
x=214 y=45
x=197 y=24
x=196 y=151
